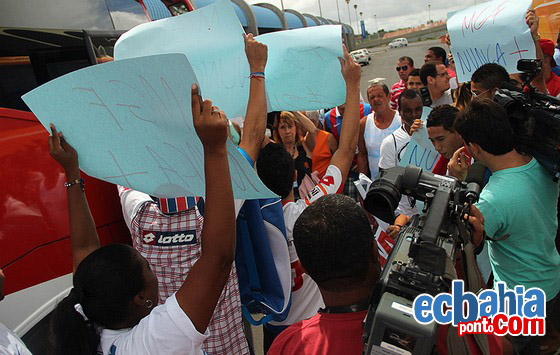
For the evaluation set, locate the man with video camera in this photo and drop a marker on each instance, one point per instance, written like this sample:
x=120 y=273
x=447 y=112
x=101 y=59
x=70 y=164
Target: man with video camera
x=518 y=205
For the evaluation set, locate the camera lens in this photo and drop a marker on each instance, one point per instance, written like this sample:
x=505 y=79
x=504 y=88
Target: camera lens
x=383 y=199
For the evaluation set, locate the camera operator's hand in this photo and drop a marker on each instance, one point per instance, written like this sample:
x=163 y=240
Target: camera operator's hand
x=394 y=230
x=459 y=164
x=477 y=222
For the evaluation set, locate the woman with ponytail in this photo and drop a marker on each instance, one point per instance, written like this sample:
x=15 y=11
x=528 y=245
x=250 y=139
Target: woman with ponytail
x=111 y=308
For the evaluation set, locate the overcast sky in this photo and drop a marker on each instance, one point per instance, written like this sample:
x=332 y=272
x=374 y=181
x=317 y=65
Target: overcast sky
x=391 y=14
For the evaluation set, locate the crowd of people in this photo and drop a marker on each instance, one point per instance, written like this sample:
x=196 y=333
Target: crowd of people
x=152 y=298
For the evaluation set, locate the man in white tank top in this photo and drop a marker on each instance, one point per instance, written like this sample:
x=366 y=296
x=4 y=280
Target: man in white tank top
x=374 y=128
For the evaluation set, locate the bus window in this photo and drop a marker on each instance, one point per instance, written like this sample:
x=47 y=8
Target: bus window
x=126 y=13
x=16 y=78
x=62 y=14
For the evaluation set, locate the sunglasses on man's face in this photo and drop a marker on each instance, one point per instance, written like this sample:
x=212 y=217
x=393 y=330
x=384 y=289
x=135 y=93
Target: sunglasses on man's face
x=403 y=68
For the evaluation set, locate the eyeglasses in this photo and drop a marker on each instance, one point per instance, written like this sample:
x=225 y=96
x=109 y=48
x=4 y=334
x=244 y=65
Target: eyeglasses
x=403 y=68
x=475 y=94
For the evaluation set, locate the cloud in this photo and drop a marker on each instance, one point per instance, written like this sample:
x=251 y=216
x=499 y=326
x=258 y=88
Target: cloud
x=390 y=14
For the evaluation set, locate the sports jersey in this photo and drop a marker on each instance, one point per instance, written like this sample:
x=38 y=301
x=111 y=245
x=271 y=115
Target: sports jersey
x=396 y=91
x=306 y=298
x=171 y=244
x=333 y=119
x=373 y=136
x=166 y=330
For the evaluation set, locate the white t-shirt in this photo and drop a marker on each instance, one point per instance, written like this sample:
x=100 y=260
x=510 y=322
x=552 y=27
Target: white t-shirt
x=446 y=99
x=306 y=298
x=166 y=330
x=373 y=136
x=392 y=149
x=10 y=343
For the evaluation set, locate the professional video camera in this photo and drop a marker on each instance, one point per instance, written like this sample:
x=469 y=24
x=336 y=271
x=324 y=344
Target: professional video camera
x=422 y=259
x=535 y=119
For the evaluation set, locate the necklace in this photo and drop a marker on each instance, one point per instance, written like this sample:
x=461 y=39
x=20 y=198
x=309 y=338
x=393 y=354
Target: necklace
x=294 y=151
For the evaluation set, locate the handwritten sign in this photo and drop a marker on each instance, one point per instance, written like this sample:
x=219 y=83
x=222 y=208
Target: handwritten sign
x=492 y=32
x=302 y=72
x=131 y=122
x=212 y=40
x=420 y=151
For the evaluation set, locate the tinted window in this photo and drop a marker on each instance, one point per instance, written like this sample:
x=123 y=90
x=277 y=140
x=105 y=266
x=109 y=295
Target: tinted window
x=126 y=13
x=16 y=80
x=60 y=14
x=71 y=14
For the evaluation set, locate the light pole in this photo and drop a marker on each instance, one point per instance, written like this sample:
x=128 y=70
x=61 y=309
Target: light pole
x=349 y=18
x=320 y=11
x=376 y=28
x=338 y=11
x=357 y=21
x=429 y=13
x=361 y=19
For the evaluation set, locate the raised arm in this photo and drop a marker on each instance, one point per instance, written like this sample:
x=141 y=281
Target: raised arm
x=201 y=290
x=255 y=118
x=533 y=22
x=83 y=234
x=342 y=158
x=309 y=126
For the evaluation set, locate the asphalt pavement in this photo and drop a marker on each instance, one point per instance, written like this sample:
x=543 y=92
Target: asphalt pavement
x=384 y=60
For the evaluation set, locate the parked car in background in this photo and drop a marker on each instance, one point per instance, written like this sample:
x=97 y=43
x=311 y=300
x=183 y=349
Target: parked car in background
x=361 y=56
x=398 y=42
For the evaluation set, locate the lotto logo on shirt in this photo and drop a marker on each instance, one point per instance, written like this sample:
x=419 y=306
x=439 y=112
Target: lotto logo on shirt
x=169 y=238
x=500 y=311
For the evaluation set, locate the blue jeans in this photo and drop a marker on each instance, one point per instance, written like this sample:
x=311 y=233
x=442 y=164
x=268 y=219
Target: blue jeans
x=531 y=344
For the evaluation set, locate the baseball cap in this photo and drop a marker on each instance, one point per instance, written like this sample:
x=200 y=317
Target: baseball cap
x=547 y=47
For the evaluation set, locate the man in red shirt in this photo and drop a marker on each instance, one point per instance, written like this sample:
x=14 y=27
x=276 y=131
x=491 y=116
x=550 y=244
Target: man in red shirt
x=552 y=80
x=404 y=66
x=336 y=247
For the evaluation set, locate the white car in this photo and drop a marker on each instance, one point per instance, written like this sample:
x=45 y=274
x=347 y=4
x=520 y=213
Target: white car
x=361 y=56
x=398 y=42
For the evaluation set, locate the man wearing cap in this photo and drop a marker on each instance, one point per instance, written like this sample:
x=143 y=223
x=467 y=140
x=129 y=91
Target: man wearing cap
x=552 y=80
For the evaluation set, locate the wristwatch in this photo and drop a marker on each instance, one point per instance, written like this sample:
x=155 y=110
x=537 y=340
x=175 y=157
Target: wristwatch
x=79 y=181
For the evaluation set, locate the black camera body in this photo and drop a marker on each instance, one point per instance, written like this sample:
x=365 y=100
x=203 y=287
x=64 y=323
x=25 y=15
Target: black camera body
x=421 y=258
x=534 y=118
